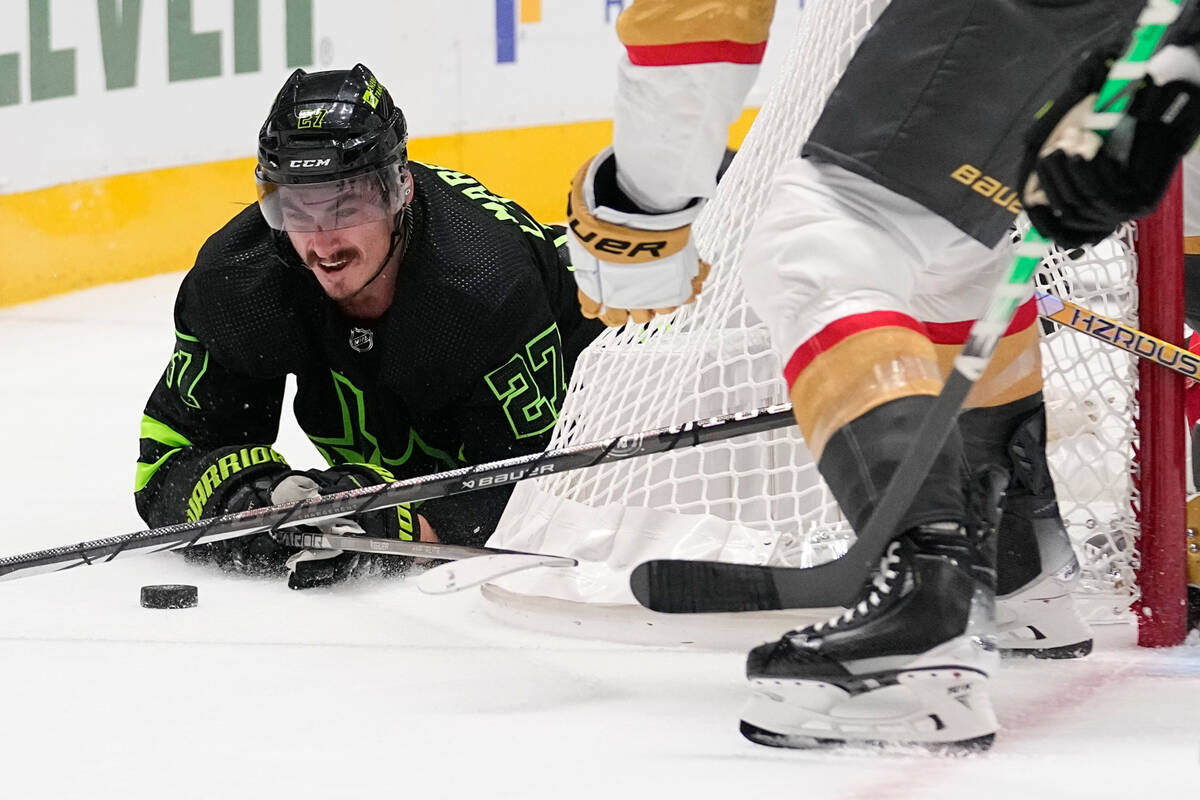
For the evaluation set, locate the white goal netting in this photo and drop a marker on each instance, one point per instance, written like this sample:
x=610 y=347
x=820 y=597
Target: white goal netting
x=760 y=498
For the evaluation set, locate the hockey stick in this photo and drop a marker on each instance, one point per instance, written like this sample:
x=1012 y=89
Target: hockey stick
x=274 y=519
x=678 y=586
x=1123 y=337
x=316 y=540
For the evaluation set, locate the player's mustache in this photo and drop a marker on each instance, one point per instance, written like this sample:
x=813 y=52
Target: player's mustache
x=344 y=254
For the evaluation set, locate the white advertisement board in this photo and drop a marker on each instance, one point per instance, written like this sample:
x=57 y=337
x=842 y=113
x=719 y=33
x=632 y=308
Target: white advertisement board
x=93 y=88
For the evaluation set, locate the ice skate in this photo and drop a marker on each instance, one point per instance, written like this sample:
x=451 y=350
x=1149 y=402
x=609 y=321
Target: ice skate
x=906 y=665
x=1037 y=569
x=1036 y=566
x=1039 y=619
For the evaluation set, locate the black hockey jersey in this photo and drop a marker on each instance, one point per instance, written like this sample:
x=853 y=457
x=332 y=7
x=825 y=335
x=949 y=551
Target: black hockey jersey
x=468 y=365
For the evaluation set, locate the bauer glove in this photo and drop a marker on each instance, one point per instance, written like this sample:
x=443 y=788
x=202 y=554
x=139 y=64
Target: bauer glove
x=1077 y=185
x=628 y=262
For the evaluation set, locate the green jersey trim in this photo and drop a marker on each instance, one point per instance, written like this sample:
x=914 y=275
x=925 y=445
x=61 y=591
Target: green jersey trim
x=145 y=472
x=162 y=433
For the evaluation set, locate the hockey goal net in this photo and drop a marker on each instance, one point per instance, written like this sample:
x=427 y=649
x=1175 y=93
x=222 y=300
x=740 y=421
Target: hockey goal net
x=760 y=498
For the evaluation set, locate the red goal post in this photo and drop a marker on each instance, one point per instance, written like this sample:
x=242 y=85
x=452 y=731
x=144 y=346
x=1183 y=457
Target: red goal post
x=1161 y=609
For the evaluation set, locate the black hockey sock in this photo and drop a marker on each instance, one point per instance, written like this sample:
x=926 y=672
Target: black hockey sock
x=1013 y=437
x=861 y=456
x=987 y=432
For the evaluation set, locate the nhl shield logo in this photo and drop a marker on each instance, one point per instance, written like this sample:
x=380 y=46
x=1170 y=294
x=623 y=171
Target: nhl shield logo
x=361 y=339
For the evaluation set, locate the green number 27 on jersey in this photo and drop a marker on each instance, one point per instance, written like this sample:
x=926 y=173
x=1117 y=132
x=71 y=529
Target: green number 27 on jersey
x=530 y=385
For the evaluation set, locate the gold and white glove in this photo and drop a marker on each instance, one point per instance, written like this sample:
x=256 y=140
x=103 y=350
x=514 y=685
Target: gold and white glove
x=628 y=263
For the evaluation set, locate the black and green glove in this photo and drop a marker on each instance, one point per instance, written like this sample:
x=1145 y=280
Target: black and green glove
x=1077 y=185
x=273 y=482
x=308 y=569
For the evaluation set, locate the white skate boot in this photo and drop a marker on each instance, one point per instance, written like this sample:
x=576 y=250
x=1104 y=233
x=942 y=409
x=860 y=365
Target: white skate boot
x=1039 y=619
x=1037 y=570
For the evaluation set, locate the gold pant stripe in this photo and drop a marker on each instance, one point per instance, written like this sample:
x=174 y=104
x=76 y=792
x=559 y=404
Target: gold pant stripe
x=658 y=22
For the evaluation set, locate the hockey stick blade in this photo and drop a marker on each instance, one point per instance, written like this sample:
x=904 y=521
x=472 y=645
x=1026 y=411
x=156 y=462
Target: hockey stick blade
x=469 y=572
x=677 y=586
x=695 y=587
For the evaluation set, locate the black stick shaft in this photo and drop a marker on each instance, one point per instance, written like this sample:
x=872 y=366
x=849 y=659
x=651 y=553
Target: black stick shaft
x=371 y=498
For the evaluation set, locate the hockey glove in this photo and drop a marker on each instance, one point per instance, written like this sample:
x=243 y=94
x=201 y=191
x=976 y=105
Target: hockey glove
x=276 y=484
x=241 y=490
x=1079 y=186
x=628 y=263
x=390 y=523
x=308 y=569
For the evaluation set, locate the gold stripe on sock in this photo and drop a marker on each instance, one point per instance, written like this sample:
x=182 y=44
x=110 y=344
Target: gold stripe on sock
x=859 y=373
x=1014 y=372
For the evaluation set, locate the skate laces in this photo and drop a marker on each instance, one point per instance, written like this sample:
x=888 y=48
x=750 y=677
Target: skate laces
x=881 y=586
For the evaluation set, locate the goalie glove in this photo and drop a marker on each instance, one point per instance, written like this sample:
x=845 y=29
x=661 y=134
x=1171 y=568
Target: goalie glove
x=1078 y=186
x=628 y=263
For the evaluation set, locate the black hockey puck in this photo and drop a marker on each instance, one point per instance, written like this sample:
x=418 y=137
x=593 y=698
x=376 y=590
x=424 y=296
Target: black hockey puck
x=169 y=595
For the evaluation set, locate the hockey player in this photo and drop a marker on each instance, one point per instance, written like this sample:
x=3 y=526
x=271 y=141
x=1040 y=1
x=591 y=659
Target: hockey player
x=429 y=323
x=874 y=254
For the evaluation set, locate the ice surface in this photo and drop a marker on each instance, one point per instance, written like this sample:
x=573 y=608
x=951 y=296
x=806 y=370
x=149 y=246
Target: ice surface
x=374 y=690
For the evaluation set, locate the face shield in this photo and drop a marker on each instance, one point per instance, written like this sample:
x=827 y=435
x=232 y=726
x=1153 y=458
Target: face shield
x=334 y=204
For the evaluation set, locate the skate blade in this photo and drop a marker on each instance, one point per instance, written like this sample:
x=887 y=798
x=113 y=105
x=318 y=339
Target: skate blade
x=1049 y=628
x=940 y=709
x=1077 y=650
x=965 y=747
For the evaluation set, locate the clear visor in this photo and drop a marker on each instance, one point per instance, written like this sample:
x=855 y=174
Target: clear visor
x=329 y=205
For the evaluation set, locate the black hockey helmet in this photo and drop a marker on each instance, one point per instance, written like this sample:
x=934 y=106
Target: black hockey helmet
x=331 y=136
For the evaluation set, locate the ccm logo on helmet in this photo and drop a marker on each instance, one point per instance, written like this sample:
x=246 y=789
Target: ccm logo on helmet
x=309 y=162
